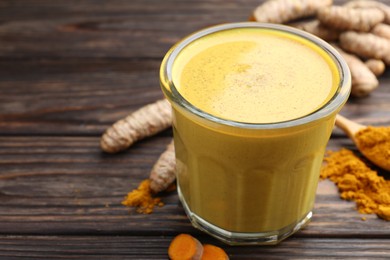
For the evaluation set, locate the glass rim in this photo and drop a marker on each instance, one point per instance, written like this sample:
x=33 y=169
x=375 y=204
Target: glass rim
x=335 y=102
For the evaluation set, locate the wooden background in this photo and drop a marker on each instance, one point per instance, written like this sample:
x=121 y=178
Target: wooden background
x=68 y=70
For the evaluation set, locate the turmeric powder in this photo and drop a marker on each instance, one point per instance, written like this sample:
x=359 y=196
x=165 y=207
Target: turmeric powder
x=356 y=181
x=374 y=142
x=161 y=178
x=142 y=198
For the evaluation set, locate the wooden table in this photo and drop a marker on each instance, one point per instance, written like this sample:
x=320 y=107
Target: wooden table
x=68 y=70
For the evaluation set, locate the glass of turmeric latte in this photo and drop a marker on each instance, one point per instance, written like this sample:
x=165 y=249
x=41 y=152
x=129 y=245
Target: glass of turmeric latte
x=253 y=109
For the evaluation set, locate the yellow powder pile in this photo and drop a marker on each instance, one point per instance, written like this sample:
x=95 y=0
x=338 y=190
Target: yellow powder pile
x=356 y=181
x=375 y=143
x=142 y=198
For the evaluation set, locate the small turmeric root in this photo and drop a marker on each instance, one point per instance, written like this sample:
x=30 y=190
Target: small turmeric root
x=144 y=122
x=376 y=66
x=211 y=252
x=185 y=247
x=318 y=29
x=371 y=4
x=282 y=11
x=163 y=172
x=366 y=45
x=363 y=80
x=344 y=18
x=382 y=30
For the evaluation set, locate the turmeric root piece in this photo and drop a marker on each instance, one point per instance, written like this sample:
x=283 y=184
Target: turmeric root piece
x=371 y=4
x=318 y=29
x=185 y=247
x=376 y=66
x=384 y=212
x=282 y=11
x=366 y=45
x=144 y=122
x=363 y=80
x=163 y=172
x=344 y=18
x=382 y=30
x=211 y=252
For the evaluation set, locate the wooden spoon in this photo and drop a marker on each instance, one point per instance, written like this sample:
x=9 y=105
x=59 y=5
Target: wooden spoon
x=351 y=128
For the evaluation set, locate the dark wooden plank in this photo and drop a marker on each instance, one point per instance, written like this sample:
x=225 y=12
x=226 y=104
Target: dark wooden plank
x=145 y=247
x=66 y=185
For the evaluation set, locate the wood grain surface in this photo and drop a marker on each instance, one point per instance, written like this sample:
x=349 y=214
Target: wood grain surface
x=68 y=70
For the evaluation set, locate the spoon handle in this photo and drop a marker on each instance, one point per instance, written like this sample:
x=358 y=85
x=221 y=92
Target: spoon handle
x=349 y=127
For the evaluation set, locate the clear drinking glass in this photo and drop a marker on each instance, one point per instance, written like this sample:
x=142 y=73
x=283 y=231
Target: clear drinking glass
x=247 y=183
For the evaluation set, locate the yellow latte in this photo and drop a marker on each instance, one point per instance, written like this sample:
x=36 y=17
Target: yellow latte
x=255 y=76
x=260 y=178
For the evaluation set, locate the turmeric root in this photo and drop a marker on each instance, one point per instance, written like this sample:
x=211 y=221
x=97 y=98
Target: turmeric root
x=185 y=247
x=344 y=18
x=142 y=123
x=376 y=66
x=384 y=212
x=366 y=45
x=318 y=29
x=382 y=30
x=211 y=252
x=282 y=11
x=371 y=4
x=363 y=80
x=142 y=198
x=163 y=172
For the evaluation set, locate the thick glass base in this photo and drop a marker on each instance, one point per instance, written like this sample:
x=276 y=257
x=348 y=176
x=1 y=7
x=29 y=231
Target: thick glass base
x=238 y=238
